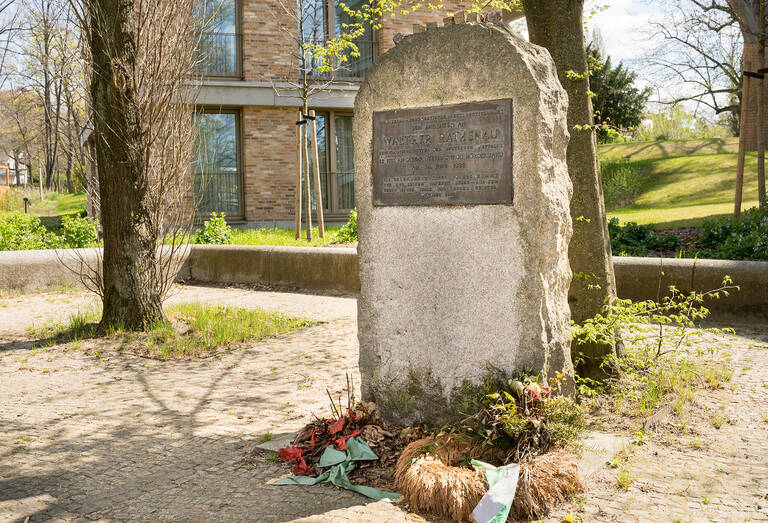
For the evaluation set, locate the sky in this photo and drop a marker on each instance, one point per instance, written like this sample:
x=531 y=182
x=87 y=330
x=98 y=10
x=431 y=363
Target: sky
x=623 y=26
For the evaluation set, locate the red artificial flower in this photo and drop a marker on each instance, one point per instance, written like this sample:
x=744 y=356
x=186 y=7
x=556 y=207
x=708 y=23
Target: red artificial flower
x=300 y=468
x=341 y=442
x=315 y=433
x=336 y=426
x=290 y=453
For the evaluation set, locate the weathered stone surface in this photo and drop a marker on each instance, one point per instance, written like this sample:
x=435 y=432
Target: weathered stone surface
x=450 y=291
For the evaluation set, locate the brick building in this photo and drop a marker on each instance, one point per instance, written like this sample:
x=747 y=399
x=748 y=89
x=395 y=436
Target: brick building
x=249 y=111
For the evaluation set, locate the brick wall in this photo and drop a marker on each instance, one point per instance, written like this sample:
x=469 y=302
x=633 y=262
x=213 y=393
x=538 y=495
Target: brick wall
x=404 y=24
x=749 y=109
x=269 y=163
x=268 y=52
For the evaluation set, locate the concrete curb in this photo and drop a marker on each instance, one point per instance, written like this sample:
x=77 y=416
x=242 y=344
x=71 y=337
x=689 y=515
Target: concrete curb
x=643 y=279
x=307 y=268
x=33 y=271
x=329 y=269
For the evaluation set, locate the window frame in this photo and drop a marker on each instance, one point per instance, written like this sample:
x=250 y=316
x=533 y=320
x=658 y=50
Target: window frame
x=329 y=14
x=331 y=175
x=239 y=144
x=238 y=73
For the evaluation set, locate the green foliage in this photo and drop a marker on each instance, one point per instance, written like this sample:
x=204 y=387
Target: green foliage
x=348 y=232
x=565 y=420
x=632 y=239
x=211 y=327
x=192 y=330
x=277 y=236
x=525 y=417
x=79 y=232
x=617 y=103
x=621 y=183
x=745 y=238
x=215 y=231
x=19 y=231
x=625 y=478
x=662 y=363
x=675 y=123
x=12 y=201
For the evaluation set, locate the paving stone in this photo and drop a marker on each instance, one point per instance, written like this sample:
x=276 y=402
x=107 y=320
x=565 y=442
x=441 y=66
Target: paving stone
x=113 y=448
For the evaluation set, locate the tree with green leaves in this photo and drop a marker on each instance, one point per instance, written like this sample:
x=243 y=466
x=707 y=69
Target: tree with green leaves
x=558 y=26
x=618 y=104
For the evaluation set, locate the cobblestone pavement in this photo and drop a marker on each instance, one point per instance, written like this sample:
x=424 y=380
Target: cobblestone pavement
x=111 y=436
x=118 y=437
x=691 y=470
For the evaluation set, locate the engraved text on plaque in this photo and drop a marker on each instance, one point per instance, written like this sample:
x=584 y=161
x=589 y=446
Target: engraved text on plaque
x=446 y=155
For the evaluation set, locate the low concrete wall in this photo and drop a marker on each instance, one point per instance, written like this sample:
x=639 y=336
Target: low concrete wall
x=642 y=278
x=308 y=268
x=32 y=271
x=328 y=269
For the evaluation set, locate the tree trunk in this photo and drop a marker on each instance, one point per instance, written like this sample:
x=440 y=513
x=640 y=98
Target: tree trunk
x=17 y=166
x=557 y=26
x=130 y=300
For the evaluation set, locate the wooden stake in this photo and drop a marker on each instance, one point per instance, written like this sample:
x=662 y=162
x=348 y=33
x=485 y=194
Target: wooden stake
x=742 y=150
x=316 y=168
x=761 y=112
x=297 y=212
x=308 y=195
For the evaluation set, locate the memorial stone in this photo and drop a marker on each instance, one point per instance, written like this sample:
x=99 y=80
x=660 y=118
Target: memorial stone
x=463 y=195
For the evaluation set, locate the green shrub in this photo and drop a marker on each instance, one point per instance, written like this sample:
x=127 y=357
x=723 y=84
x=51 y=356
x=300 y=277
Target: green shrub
x=12 y=201
x=215 y=231
x=621 y=183
x=348 y=233
x=676 y=123
x=19 y=231
x=745 y=238
x=79 y=232
x=632 y=239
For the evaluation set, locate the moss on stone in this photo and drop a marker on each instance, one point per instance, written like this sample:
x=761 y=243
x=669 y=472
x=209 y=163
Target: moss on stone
x=421 y=398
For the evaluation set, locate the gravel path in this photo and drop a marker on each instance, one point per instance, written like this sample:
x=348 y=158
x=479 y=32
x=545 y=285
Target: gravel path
x=98 y=435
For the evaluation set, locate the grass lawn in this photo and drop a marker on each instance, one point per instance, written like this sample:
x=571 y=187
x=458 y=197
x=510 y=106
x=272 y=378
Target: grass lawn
x=275 y=236
x=191 y=330
x=683 y=182
x=53 y=204
x=50 y=209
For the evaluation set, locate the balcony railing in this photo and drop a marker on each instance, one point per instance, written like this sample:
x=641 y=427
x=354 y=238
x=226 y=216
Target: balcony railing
x=345 y=186
x=354 y=68
x=218 y=192
x=218 y=54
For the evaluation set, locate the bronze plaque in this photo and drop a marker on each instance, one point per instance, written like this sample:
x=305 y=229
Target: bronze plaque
x=446 y=155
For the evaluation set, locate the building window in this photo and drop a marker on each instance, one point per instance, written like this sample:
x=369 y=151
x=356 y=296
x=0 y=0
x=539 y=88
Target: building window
x=354 y=67
x=217 y=166
x=323 y=19
x=336 y=158
x=220 y=43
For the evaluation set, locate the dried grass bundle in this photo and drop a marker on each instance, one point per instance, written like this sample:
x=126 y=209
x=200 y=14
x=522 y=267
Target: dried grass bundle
x=545 y=482
x=427 y=475
x=432 y=486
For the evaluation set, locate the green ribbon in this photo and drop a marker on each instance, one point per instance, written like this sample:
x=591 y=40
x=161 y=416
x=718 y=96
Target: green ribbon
x=339 y=464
